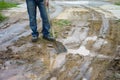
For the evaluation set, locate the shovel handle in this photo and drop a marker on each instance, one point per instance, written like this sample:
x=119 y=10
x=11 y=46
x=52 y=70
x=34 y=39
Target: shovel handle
x=50 y=22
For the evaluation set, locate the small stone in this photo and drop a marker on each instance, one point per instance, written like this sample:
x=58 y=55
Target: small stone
x=1 y=62
x=118 y=50
x=1 y=66
x=45 y=77
x=66 y=32
x=50 y=45
x=39 y=45
x=7 y=63
x=16 y=56
x=117 y=75
x=53 y=78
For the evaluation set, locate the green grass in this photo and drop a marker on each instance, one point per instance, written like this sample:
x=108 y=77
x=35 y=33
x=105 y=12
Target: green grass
x=2 y=18
x=6 y=5
x=3 y=6
x=117 y=3
x=62 y=22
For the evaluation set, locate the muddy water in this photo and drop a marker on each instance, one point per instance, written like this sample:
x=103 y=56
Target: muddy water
x=87 y=57
x=104 y=27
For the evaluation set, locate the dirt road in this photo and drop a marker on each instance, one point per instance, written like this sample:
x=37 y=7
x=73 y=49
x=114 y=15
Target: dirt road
x=91 y=37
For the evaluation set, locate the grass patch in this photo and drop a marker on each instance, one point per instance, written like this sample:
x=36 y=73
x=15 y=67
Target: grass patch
x=61 y=23
x=3 y=6
x=6 y=5
x=118 y=20
x=2 y=18
x=117 y=3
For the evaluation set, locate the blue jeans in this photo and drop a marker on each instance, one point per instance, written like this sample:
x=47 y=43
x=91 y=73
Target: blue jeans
x=32 y=10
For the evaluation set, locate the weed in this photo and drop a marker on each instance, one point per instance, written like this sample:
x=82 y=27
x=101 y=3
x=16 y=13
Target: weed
x=6 y=5
x=117 y=3
x=61 y=22
x=2 y=18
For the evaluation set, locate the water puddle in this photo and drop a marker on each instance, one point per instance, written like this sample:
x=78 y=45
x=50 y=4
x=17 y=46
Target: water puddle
x=105 y=27
x=11 y=34
x=75 y=3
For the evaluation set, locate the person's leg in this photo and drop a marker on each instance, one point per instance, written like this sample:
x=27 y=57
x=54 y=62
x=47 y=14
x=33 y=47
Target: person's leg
x=45 y=21
x=31 y=7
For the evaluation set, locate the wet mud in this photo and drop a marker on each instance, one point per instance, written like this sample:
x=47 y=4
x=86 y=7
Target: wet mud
x=93 y=51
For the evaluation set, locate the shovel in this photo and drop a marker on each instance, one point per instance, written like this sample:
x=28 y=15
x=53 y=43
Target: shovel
x=59 y=47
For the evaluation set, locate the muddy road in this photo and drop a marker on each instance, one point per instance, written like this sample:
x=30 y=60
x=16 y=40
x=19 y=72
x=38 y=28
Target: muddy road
x=90 y=34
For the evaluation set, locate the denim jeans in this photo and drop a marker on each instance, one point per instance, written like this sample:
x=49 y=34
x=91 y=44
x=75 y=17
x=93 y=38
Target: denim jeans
x=32 y=10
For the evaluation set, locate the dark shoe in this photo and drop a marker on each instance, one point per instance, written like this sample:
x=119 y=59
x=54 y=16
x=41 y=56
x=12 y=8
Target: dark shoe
x=49 y=38
x=34 y=39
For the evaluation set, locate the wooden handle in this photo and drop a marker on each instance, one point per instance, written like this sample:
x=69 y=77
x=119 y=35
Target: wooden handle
x=50 y=21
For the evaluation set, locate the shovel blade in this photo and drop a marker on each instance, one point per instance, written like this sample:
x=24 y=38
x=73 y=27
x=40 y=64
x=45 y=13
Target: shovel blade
x=59 y=47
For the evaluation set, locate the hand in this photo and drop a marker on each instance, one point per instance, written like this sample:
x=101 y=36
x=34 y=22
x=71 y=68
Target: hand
x=46 y=3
